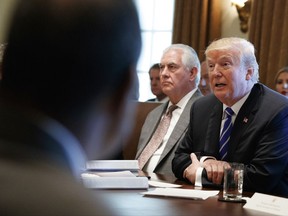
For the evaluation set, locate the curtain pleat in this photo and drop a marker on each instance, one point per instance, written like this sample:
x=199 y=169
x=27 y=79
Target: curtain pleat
x=269 y=34
x=197 y=23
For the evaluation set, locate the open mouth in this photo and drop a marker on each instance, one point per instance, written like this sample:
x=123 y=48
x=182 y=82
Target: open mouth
x=220 y=84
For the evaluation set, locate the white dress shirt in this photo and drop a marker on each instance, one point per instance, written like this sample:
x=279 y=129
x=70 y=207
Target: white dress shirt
x=236 y=107
x=153 y=161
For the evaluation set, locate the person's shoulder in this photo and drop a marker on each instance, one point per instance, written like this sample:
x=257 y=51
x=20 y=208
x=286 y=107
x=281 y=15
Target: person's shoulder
x=158 y=110
x=211 y=98
x=271 y=95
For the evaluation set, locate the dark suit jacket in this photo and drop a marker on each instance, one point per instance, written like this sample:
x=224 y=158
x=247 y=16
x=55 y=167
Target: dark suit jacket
x=38 y=163
x=150 y=125
x=259 y=139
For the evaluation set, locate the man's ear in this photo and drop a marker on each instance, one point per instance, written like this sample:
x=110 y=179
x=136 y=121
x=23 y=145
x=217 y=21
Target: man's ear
x=193 y=73
x=249 y=73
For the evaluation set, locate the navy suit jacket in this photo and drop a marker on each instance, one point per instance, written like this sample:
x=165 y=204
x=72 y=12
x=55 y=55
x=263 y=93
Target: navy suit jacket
x=259 y=139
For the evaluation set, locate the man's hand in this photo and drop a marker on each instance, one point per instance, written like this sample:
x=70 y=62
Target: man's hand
x=190 y=171
x=215 y=170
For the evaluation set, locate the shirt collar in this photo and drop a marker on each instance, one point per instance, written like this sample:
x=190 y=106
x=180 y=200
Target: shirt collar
x=182 y=103
x=237 y=106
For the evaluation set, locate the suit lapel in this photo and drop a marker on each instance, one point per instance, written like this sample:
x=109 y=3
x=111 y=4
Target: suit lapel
x=211 y=146
x=244 y=118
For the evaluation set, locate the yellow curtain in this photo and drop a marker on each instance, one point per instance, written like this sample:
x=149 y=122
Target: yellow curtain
x=197 y=23
x=268 y=31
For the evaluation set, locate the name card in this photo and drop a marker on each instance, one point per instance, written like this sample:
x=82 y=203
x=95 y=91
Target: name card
x=268 y=204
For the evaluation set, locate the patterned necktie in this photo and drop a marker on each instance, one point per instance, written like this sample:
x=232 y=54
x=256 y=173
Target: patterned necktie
x=225 y=135
x=157 y=138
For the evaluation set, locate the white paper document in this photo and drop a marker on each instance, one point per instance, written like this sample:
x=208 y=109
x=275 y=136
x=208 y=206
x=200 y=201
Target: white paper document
x=182 y=193
x=108 y=174
x=267 y=203
x=162 y=184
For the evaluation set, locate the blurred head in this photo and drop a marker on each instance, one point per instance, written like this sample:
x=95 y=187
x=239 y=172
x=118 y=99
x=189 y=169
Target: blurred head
x=281 y=81
x=154 y=74
x=2 y=49
x=233 y=69
x=204 y=84
x=179 y=71
x=75 y=61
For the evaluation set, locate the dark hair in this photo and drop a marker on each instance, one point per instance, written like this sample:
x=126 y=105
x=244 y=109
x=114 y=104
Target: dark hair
x=70 y=51
x=154 y=66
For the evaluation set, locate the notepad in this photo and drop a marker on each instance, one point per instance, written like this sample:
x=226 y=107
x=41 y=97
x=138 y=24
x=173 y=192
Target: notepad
x=268 y=203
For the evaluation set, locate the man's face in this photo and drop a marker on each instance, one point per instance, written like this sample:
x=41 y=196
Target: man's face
x=228 y=80
x=174 y=76
x=204 y=84
x=155 y=81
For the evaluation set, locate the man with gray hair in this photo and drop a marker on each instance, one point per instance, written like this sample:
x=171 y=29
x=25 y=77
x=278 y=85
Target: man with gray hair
x=179 y=77
x=259 y=117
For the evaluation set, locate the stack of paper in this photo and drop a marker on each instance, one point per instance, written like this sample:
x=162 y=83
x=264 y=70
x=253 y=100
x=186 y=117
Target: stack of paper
x=113 y=174
x=114 y=180
x=112 y=165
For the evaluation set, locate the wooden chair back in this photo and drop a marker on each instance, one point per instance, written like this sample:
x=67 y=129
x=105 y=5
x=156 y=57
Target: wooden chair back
x=142 y=110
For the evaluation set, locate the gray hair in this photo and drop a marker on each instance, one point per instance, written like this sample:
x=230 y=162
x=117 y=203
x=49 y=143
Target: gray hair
x=189 y=58
x=246 y=49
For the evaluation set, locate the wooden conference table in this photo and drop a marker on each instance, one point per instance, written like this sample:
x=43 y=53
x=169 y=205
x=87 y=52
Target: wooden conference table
x=132 y=203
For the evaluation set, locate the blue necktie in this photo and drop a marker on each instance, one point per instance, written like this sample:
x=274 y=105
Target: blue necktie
x=225 y=134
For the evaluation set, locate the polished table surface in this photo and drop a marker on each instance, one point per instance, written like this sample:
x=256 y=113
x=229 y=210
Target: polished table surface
x=133 y=203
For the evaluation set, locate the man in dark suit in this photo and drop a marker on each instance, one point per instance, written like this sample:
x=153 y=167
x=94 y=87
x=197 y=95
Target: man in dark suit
x=179 y=76
x=259 y=137
x=68 y=70
x=155 y=85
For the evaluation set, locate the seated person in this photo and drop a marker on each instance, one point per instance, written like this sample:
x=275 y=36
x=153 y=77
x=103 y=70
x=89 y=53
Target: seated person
x=179 y=77
x=154 y=74
x=258 y=125
x=204 y=85
x=281 y=81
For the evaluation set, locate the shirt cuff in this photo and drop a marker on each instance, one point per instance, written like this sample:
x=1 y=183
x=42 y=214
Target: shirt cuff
x=202 y=159
x=198 y=179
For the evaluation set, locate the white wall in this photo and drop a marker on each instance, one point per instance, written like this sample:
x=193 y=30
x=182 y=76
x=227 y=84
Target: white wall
x=5 y=11
x=230 y=21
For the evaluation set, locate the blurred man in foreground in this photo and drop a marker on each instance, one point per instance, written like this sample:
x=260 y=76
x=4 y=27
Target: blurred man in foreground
x=67 y=75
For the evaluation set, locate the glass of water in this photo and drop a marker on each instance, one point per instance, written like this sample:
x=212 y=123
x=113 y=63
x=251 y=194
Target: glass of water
x=233 y=182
